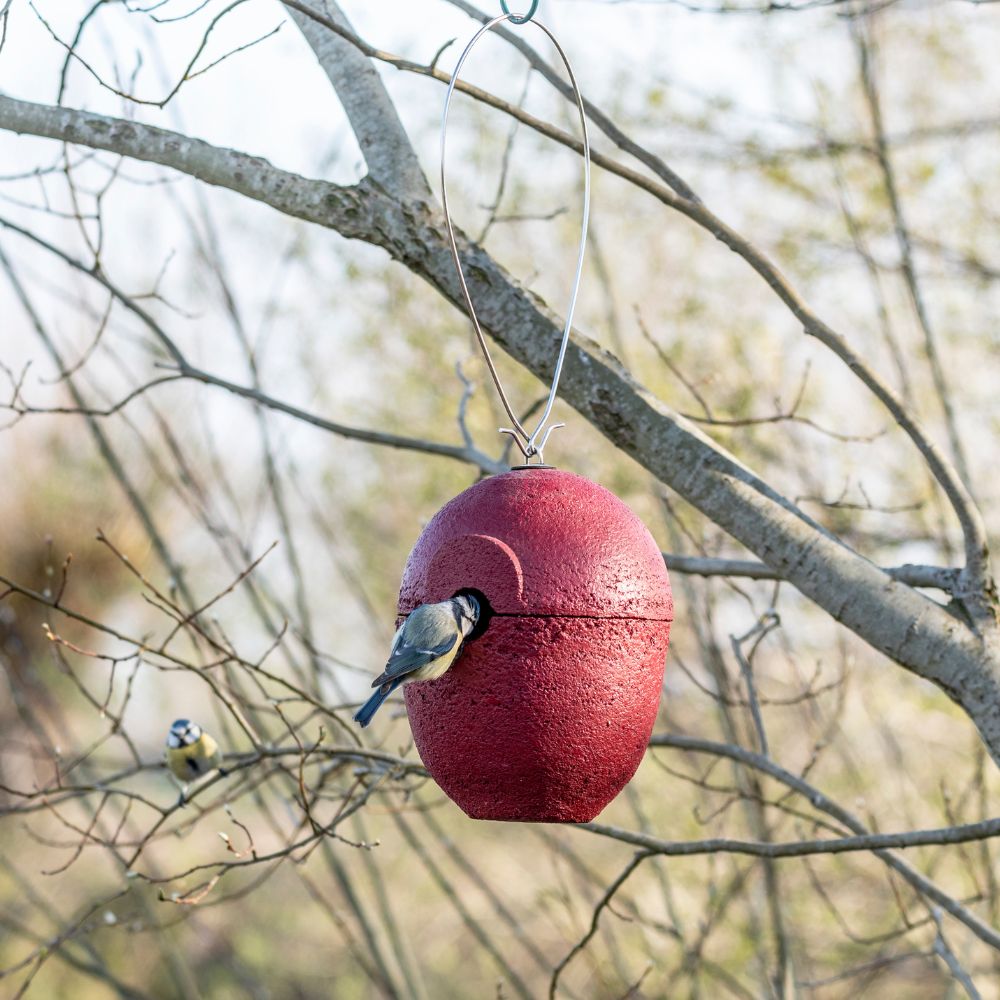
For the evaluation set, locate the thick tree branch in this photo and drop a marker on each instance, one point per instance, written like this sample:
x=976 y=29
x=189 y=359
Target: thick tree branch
x=893 y=618
x=977 y=590
x=386 y=147
x=317 y=201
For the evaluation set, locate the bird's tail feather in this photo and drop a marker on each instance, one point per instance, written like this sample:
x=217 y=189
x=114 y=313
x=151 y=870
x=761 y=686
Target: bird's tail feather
x=372 y=705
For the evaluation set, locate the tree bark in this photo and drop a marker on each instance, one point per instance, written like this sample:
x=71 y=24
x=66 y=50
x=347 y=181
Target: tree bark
x=898 y=621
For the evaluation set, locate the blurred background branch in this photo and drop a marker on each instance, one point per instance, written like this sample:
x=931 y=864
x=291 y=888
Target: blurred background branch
x=195 y=200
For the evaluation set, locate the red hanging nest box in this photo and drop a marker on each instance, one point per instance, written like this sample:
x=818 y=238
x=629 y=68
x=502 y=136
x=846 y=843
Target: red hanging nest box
x=546 y=714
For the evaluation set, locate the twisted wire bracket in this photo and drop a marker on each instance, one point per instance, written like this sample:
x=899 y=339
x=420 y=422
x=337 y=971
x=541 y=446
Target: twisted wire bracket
x=530 y=444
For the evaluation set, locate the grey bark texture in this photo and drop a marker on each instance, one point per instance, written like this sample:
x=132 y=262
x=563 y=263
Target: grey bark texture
x=383 y=140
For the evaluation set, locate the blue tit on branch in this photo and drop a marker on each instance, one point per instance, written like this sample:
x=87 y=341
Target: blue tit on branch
x=191 y=752
x=425 y=646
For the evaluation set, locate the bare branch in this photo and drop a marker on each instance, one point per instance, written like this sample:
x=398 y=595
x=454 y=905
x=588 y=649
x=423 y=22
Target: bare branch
x=939 y=578
x=823 y=803
x=943 y=949
x=184 y=370
x=602 y=904
x=387 y=149
x=978 y=581
x=860 y=28
x=890 y=616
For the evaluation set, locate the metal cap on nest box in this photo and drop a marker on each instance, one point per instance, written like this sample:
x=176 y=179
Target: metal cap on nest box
x=546 y=714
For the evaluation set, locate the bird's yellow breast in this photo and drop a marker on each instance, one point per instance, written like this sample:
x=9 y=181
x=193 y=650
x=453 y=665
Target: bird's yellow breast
x=436 y=668
x=188 y=763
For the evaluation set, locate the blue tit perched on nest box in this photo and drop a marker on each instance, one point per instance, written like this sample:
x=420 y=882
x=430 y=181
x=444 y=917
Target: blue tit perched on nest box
x=191 y=752
x=424 y=647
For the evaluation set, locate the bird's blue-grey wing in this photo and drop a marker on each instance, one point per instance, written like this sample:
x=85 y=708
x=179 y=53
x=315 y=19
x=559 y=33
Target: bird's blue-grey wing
x=424 y=641
x=406 y=659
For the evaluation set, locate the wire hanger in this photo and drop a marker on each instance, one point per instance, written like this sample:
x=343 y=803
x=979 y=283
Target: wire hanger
x=531 y=444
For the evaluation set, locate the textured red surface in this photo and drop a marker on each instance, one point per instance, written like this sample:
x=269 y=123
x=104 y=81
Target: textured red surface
x=545 y=716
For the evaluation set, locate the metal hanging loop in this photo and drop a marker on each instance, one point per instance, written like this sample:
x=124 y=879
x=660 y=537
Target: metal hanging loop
x=531 y=444
x=523 y=18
